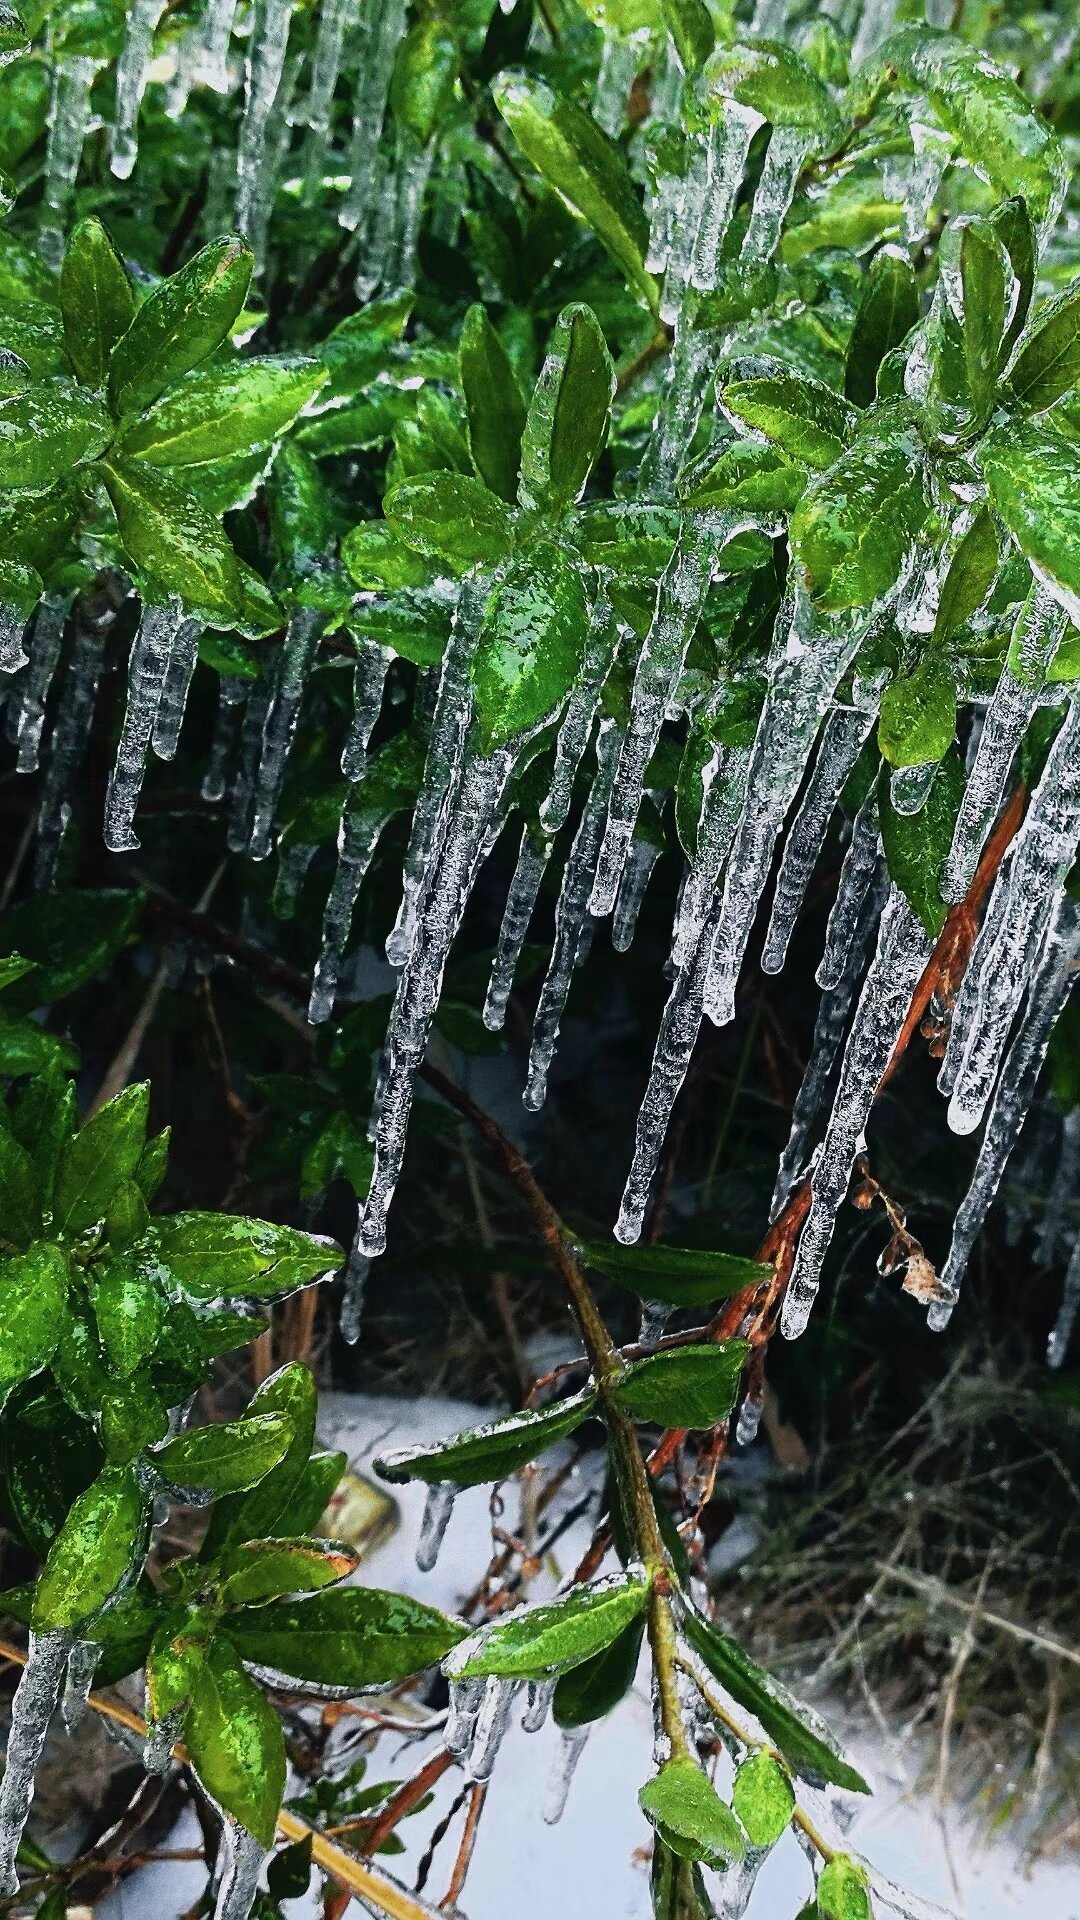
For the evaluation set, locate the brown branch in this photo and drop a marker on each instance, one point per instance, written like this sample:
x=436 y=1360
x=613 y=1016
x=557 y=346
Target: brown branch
x=477 y=1796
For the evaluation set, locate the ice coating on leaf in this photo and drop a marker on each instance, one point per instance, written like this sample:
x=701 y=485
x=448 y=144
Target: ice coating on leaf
x=902 y=952
x=173 y=702
x=580 y=713
x=31 y=1711
x=636 y=875
x=933 y=152
x=369 y=679
x=263 y=69
x=131 y=69
x=490 y=1728
x=539 y=1695
x=690 y=365
x=12 y=627
x=728 y=145
x=860 y=870
x=161 y=1737
x=532 y=862
x=841 y=743
x=279 y=727
x=572 y=1743
x=1062 y=1330
x=232 y=692
x=619 y=60
x=391 y=265
x=358 y=837
x=70 y=739
x=81 y=1668
x=240 y=1863
x=438 y=1507
x=148 y=665
x=44 y=656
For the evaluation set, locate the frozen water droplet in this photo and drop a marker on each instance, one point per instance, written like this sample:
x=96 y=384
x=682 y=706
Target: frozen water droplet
x=539 y=1695
x=70 y=735
x=45 y=642
x=841 y=743
x=909 y=787
x=465 y=1698
x=490 y=1729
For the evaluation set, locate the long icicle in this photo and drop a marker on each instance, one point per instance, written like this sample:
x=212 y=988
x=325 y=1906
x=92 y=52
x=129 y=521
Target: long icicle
x=262 y=78
x=31 y=1711
x=532 y=864
x=173 y=702
x=142 y=24
x=842 y=739
x=45 y=640
x=151 y=652
x=369 y=680
x=298 y=652
x=358 y=837
x=384 y=23
x=70 y=735
x=860 y=870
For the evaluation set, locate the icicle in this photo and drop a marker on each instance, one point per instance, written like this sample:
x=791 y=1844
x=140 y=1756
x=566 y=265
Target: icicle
x=31 y=1710
x=161 y=1737
x=909 y=787
x=691 y=364
x=1050 y=986
x=724 y=791
x=655 y=1315
x=636 y=874
x=438 y=1506
x=1024 y=896
x=619 y=61
x=749 y=1420
x=81 y=1668
x=570 y=917
x=465 y=1698
x=217 y=32
x=173 y=702
x=1035 y=638
x=240 y=1862
x=841 y=743
x=325 y=68
x=860 y=870
x=385 y=24
x=69 y=123
x=142 y=24
x=12 y=627
x=729 y=143
x=492 y=1725
x=45 y=641
x=148 y=664
x=539 y=1695
x=70 y=738
x=392 y=265
x=787 y=153
x=293 y=865
x=352 y=1304
x=260 y=696
x=297 y=658
x=1063 y=1192
x=263 y=69
x=189 y=53
x=1062 y=1331
x=679 y=599
x=875 y=21
x=737 y=1884
x=572 y=1742
x=532 y=861
x=573 y=738
x=684 y=231
x=933 y=152
x=369 y=679
x=232 y=692
x=358 y=837
x=902 y=952
x=804 y=669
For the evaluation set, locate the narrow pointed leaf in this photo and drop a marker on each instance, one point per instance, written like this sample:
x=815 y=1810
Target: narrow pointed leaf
x=234 y=1738
x=180 y=324
x=96 y=1551
x=490 y=1452
x=354 y=1637
x=97 y=300
x=494 y=408
x=554 y=1637
x=691 y=1386
x=684 y=1276
x=227 y=1457
x=568 y=414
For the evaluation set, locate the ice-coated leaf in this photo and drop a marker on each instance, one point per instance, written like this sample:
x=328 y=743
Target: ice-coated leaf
x=46 y=430
x=180 y=324
x=843 y=1890
x=771 y=78
x=353 y=1637
x=585 y=168
x=223 y=412
x=530 y=647
x=268 y=1569
x=628 y=536
x=97 y=300
x=983 y=269
x=98 y=1548
x=888 y=308
x=1015 y=229
x=779 y=1714
x=494 y=408
x=377 y=559
x=33 y=1296
x=917 y=717
x=234 y=1738
x=227 y=1457
x=1047 y=363
x=490 y=1452
x=173 y=1662
x=555 y=1636
x=271 y=1509
x=451 y=517
x=589 y=1691
x=175 y=546
x=803 y=417
x=689 y=1815
x=311 y=1493
x=916 y=843
x=568 y=414
x=854 y=526
x=128 y=1310
x=747 y=475
x=762 y=1797
x=215 y=1256
x=300 y=514
x=1034 y=481
x=692 y=1386
x=683 y=1276
x=105 y=1151
x=14 y=38
x=20 y=1191
x=971 y=574
x=423 y=77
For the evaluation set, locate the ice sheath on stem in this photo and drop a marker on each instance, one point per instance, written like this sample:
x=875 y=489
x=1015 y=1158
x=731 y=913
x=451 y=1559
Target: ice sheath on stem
x=148 y=665
x=240 y=1864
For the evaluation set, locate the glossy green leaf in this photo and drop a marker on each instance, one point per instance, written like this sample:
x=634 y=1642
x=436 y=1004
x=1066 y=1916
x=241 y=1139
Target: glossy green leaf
x=854 y=526
x=971 y=575
x=217 y=1256
x=289 y=1873
x=174 y=544
x=97 y=300
x=983 y=269
x=555 y=1636
x=46 y=430
x=227 y=1457
x=803 y=417
x=224 y=412
x=628 y=536
x=423 y=78
x=1047 y=363
x=770 y=77
x=917 y=716
x=1034 y=481
x=357 y=350
x=490 y=1452
x=351 y=1638
x=98 y=1548
x=234 y=1738
x=568 y=414
x=269 y=1509
x=916 y=844
x=762 y=1797
x=451 y=517
x=268 y=1569
x=843 y=1890
x=690 y=25
x=133 y=1416
x=71 y=935
x=180 y=324
x=20 y=1191
x=888 y=309
x=585 y=168
x=128 y=1215
x=785 y=1722
x=689 y=1815
x=300 y=515
x=172 y=1666
x=692 y=1386
x=105 y=1151
x=1015 y=229
x=748 y=475
x=494 y=408
x=530 y=647
x=14 y=38
x=589 y=1691
x=35 y=332
x=377 y=558
x=33 y=1295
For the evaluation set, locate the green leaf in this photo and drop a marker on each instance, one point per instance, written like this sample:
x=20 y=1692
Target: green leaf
x=377 y=559
x=628 y=536
x=854 y=526
x=530 y=647
x=1047 y=363
x=451 y=517
x=784 y=1721
x=747 y=475
x=20 y=1191
x=917 y=717
x=494 y=409
x=762 y=1797
x=128 y=1215
x=300 y=514
x=33 y=1296
x=683 y=1275
x=220 y=1256
x=46 y=430
x=360 y=346
x=100 y=1545
x=771 y=78
x=105 y=1151
x=689 y=23
x=234 y=1738
x=585 y=168
x=26 y=1047
x=691 y=1386
x=888 y=309
x=490 y=1452
x=14 y=38
x=227 y=1457
x=843 y=1890
x=180 y=324
x=133 y=1417
x=568 y=414
x=97 y=300
x=916 y=844
x=153 y=1163
x=173 y=1664
x=983 y=271
x=311 y=1494
x=803 y=417
x=1013 y=225
x=352 y=1638
x=71 y=935
x=261 y=1513
x=589 y=1691
x=690 y=1816
x=289 y=1873
x=972 y=571
x=556 y=1636
x=678 y=1890
x=266 y=1569
x=12 y=967
x=1034 y=481
x=224 y=412
x=35 y=332
x=174 y=544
